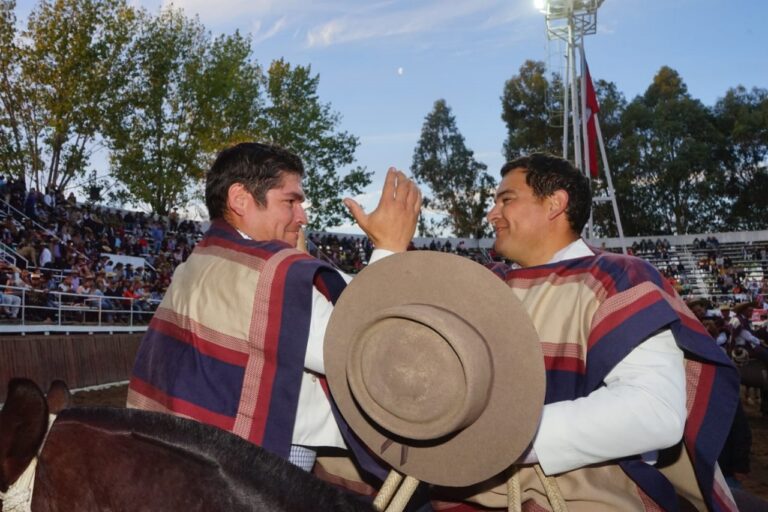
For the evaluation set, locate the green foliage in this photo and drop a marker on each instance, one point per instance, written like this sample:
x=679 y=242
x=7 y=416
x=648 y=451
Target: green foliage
x=163 y=96
x=671 y=146
x=187 y=96
x=532 y=110
x=677 y=165
x=742 y=117
x=294 y=117
x=56 y=78
x=13 y=157
x=460 y=185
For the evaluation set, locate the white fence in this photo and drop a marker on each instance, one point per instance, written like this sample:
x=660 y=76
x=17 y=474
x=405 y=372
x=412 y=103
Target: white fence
x=26 y=310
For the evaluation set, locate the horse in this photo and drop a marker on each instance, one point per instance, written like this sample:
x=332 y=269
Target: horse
x=101 y=458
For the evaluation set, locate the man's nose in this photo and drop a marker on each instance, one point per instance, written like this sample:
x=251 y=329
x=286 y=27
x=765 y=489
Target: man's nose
x=301 y=216
x=492 y=214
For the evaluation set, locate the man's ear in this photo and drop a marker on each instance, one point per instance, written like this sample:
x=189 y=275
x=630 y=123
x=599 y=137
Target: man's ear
x=558 y=202
x=237 y=199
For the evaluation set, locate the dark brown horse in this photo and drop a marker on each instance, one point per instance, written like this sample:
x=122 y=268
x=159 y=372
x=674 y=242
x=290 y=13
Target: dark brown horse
x=102 y=458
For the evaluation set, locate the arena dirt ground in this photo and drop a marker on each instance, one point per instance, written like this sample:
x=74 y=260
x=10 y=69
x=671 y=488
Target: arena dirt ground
x=756 y=481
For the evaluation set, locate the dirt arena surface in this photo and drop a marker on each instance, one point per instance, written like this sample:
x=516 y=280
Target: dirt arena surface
x=756 y=481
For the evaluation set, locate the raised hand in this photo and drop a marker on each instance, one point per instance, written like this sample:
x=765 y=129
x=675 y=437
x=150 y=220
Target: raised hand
x=392 y=224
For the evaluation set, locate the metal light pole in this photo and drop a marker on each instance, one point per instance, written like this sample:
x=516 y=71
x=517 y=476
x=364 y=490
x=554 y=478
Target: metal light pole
x=569 y=21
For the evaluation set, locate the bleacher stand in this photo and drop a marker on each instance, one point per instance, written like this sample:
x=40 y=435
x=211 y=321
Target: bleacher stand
x=60 y=257
x=56 y=267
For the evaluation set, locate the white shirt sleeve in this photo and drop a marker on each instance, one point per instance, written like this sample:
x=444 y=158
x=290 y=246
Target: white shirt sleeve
x=749 y=337
x=640 y=409
x=321 y=314
x=722 y=339
x=315 y=424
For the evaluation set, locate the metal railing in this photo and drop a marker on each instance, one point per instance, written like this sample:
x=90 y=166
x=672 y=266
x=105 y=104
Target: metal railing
x=10 y=256
x=39 y=310
x=10 y=209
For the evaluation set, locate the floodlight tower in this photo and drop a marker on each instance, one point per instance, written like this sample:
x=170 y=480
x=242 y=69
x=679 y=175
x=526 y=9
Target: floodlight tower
x=569 y=21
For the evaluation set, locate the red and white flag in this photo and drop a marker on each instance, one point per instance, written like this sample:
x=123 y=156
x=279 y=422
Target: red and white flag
x=593 y=107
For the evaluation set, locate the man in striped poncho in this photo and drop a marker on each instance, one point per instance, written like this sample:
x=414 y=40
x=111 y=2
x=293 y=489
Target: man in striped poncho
x=237 y=341
x=639 y=398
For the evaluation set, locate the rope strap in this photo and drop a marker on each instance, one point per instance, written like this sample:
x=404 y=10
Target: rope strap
x=554 y=495
x=396 y=490
x=514 y=494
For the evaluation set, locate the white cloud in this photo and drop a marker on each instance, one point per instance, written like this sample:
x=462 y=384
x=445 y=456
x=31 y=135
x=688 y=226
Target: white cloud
x=277 y=26
x=323 y=23
x=392 y=19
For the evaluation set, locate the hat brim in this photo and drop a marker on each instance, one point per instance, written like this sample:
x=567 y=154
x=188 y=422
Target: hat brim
x=509 y=421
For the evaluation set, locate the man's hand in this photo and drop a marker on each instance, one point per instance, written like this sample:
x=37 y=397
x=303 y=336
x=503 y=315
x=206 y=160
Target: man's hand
x=392 y=224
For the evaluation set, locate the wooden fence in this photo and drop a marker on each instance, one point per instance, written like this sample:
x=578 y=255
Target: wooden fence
x=79 y=360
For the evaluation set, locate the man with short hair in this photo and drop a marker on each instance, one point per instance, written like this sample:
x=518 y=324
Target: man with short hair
x=639 y=400
x=237 y=341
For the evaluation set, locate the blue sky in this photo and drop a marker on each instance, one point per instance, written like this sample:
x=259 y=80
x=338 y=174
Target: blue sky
x=463 y=51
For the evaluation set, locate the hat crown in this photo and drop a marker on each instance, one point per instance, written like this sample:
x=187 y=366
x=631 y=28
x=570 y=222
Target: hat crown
x=420 y=371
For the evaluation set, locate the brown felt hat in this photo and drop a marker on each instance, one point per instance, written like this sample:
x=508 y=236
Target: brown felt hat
x=742 y=307
x=436 y=366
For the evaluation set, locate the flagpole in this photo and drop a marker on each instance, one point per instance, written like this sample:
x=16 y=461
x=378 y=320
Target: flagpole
x=570 y=21
x=576 y=117
x=565 y=109
x=609 y=182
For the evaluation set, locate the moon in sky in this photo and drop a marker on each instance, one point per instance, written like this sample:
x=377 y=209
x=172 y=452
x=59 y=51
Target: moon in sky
x=400 y=71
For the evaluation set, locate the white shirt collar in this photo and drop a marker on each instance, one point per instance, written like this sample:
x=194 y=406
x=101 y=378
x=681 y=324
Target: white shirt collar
x=576 y=249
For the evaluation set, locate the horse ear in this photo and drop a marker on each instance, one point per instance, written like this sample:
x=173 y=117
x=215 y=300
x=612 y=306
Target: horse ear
x=23 y=424
x=58 y=397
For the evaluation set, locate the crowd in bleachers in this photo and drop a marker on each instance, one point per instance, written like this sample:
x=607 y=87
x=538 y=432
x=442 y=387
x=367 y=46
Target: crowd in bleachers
x=64 y=252
x=350 y=253
x=69 y=253
x=658 y=250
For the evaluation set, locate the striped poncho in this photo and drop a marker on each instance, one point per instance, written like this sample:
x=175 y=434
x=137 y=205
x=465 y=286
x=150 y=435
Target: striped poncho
x=227 y=344
x=590 y=313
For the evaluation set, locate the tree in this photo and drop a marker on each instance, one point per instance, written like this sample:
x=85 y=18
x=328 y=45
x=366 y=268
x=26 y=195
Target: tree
x=294 y=117
x=54 y=82
x=742 y=117
x=532 y=110
x=460 y=186
x=186 y=98
x=13 y=132
x=671 y=146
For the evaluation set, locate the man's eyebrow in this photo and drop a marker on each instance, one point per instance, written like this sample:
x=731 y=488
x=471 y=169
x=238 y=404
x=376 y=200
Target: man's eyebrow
x=505 y=192
x=296 y=195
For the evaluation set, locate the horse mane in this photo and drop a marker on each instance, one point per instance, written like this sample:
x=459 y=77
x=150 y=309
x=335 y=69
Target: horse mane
x=246 y=465
x=192 y=437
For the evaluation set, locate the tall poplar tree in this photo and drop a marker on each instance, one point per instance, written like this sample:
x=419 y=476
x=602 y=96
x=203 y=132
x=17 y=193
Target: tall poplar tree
x=461 y=187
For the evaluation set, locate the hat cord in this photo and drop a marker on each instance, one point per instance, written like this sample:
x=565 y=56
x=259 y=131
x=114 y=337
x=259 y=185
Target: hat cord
x=514 y=493
x=396 y=492
x=388 y=488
